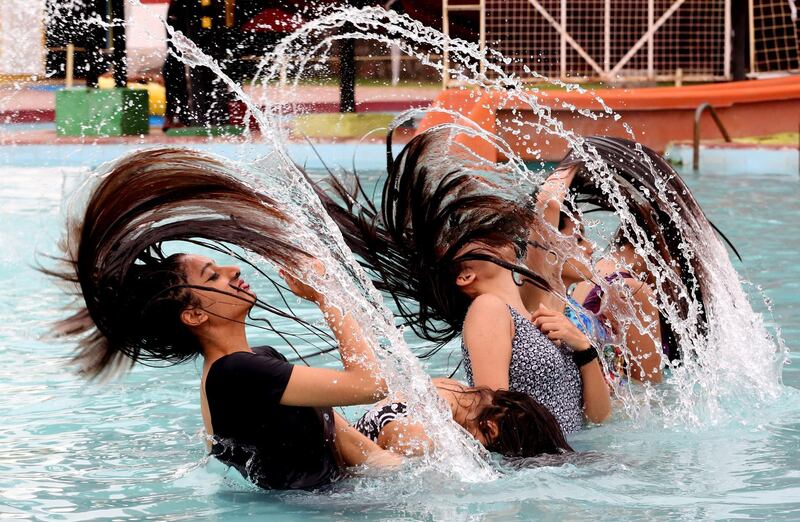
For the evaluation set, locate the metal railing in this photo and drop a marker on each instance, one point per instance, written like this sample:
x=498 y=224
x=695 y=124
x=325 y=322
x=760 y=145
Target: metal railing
x=698 y=113
x=604 y=40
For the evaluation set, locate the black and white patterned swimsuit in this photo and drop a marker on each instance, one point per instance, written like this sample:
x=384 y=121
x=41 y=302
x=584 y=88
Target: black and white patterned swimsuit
x=372 y=422
x=542 y=370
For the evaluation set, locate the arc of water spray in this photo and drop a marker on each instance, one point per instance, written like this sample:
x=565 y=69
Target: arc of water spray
x=391 y=28
x=703 y=374
x=456 y=452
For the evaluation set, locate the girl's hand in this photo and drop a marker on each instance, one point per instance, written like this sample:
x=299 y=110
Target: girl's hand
x=559 y=329
x=301 y=289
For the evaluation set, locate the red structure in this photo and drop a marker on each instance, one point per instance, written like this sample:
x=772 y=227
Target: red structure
x=656 y=115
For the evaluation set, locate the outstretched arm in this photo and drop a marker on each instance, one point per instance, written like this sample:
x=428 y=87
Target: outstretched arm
x=644 y=347
x=405 y=437
x=552 y=193
x=356 y=449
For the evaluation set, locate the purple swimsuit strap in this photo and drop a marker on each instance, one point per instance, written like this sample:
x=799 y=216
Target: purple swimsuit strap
x=593 y=301
x=593 y=298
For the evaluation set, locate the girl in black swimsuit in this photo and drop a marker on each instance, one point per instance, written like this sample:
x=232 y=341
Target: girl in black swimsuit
x=268 y=418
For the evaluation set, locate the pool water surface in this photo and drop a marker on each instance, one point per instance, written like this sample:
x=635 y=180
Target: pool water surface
x=131 y=448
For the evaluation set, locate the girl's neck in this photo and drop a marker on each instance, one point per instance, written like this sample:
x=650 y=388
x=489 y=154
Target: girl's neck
x=223 y=340
x=506 y=290
x=533 y=296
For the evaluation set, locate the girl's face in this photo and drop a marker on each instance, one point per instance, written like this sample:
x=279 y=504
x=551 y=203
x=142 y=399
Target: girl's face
x=228 y=296
x=477 y=433
x=576 y=266
x=562 y=257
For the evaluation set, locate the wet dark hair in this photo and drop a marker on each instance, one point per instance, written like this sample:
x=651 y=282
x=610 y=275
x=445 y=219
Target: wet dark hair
x=563 y=219
x=130 y=295
x=429 y=211
x=639 y=172
x=566 y=214
x=525 y=427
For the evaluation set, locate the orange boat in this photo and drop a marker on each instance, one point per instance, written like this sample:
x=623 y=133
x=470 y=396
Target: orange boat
x=657 y=115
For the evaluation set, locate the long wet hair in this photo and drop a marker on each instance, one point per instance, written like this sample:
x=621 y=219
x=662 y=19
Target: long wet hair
x=429 y=211
x=129 y=294
x=640 y=172
x=525 y=428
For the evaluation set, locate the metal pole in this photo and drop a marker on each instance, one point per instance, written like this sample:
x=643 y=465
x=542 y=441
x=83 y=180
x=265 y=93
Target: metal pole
x=753 y=65
x=230 y=10
x=482 y=35
x=651 y=17
x=117 y=15
x=563 y=40
x=70 y=64
x=395 y=55
x=347 y=75
x=741 y=48
x=698 y=114
x=97 y=37
x=445 y=50
x=607 y=40
x=727 y=41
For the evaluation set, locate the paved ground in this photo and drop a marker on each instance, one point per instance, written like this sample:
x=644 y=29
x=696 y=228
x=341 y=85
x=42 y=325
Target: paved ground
x=26 y=136
x=21 y=98
x=35 y=103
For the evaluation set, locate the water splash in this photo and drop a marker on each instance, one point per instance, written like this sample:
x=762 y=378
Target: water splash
x=348 y=287
x=737 y=359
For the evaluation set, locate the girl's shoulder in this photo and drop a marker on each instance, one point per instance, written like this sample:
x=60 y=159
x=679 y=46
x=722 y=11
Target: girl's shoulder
x=487 y=317
x=488 y=303
x=263 y=369
x=487 y=311
x=447 y=383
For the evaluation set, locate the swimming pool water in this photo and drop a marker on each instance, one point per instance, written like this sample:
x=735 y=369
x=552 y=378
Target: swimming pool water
x=130 y=448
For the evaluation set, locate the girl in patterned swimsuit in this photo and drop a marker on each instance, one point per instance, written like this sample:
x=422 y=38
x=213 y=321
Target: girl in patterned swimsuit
x=451 y=248
x=571 y=266
x=503 y=348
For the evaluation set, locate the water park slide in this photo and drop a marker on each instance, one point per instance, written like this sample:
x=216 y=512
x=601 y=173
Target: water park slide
x=657 y=115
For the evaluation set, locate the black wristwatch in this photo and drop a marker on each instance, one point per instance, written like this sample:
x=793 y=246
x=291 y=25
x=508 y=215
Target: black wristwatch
x=584 y=357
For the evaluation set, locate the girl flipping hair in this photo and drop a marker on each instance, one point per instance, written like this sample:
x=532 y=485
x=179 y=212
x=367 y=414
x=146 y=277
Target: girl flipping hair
x=448 y=249
x=268 y=418
x=663 y=212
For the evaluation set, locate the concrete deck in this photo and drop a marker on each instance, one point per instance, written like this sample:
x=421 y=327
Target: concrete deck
x=737 y=159
x=33 y=102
